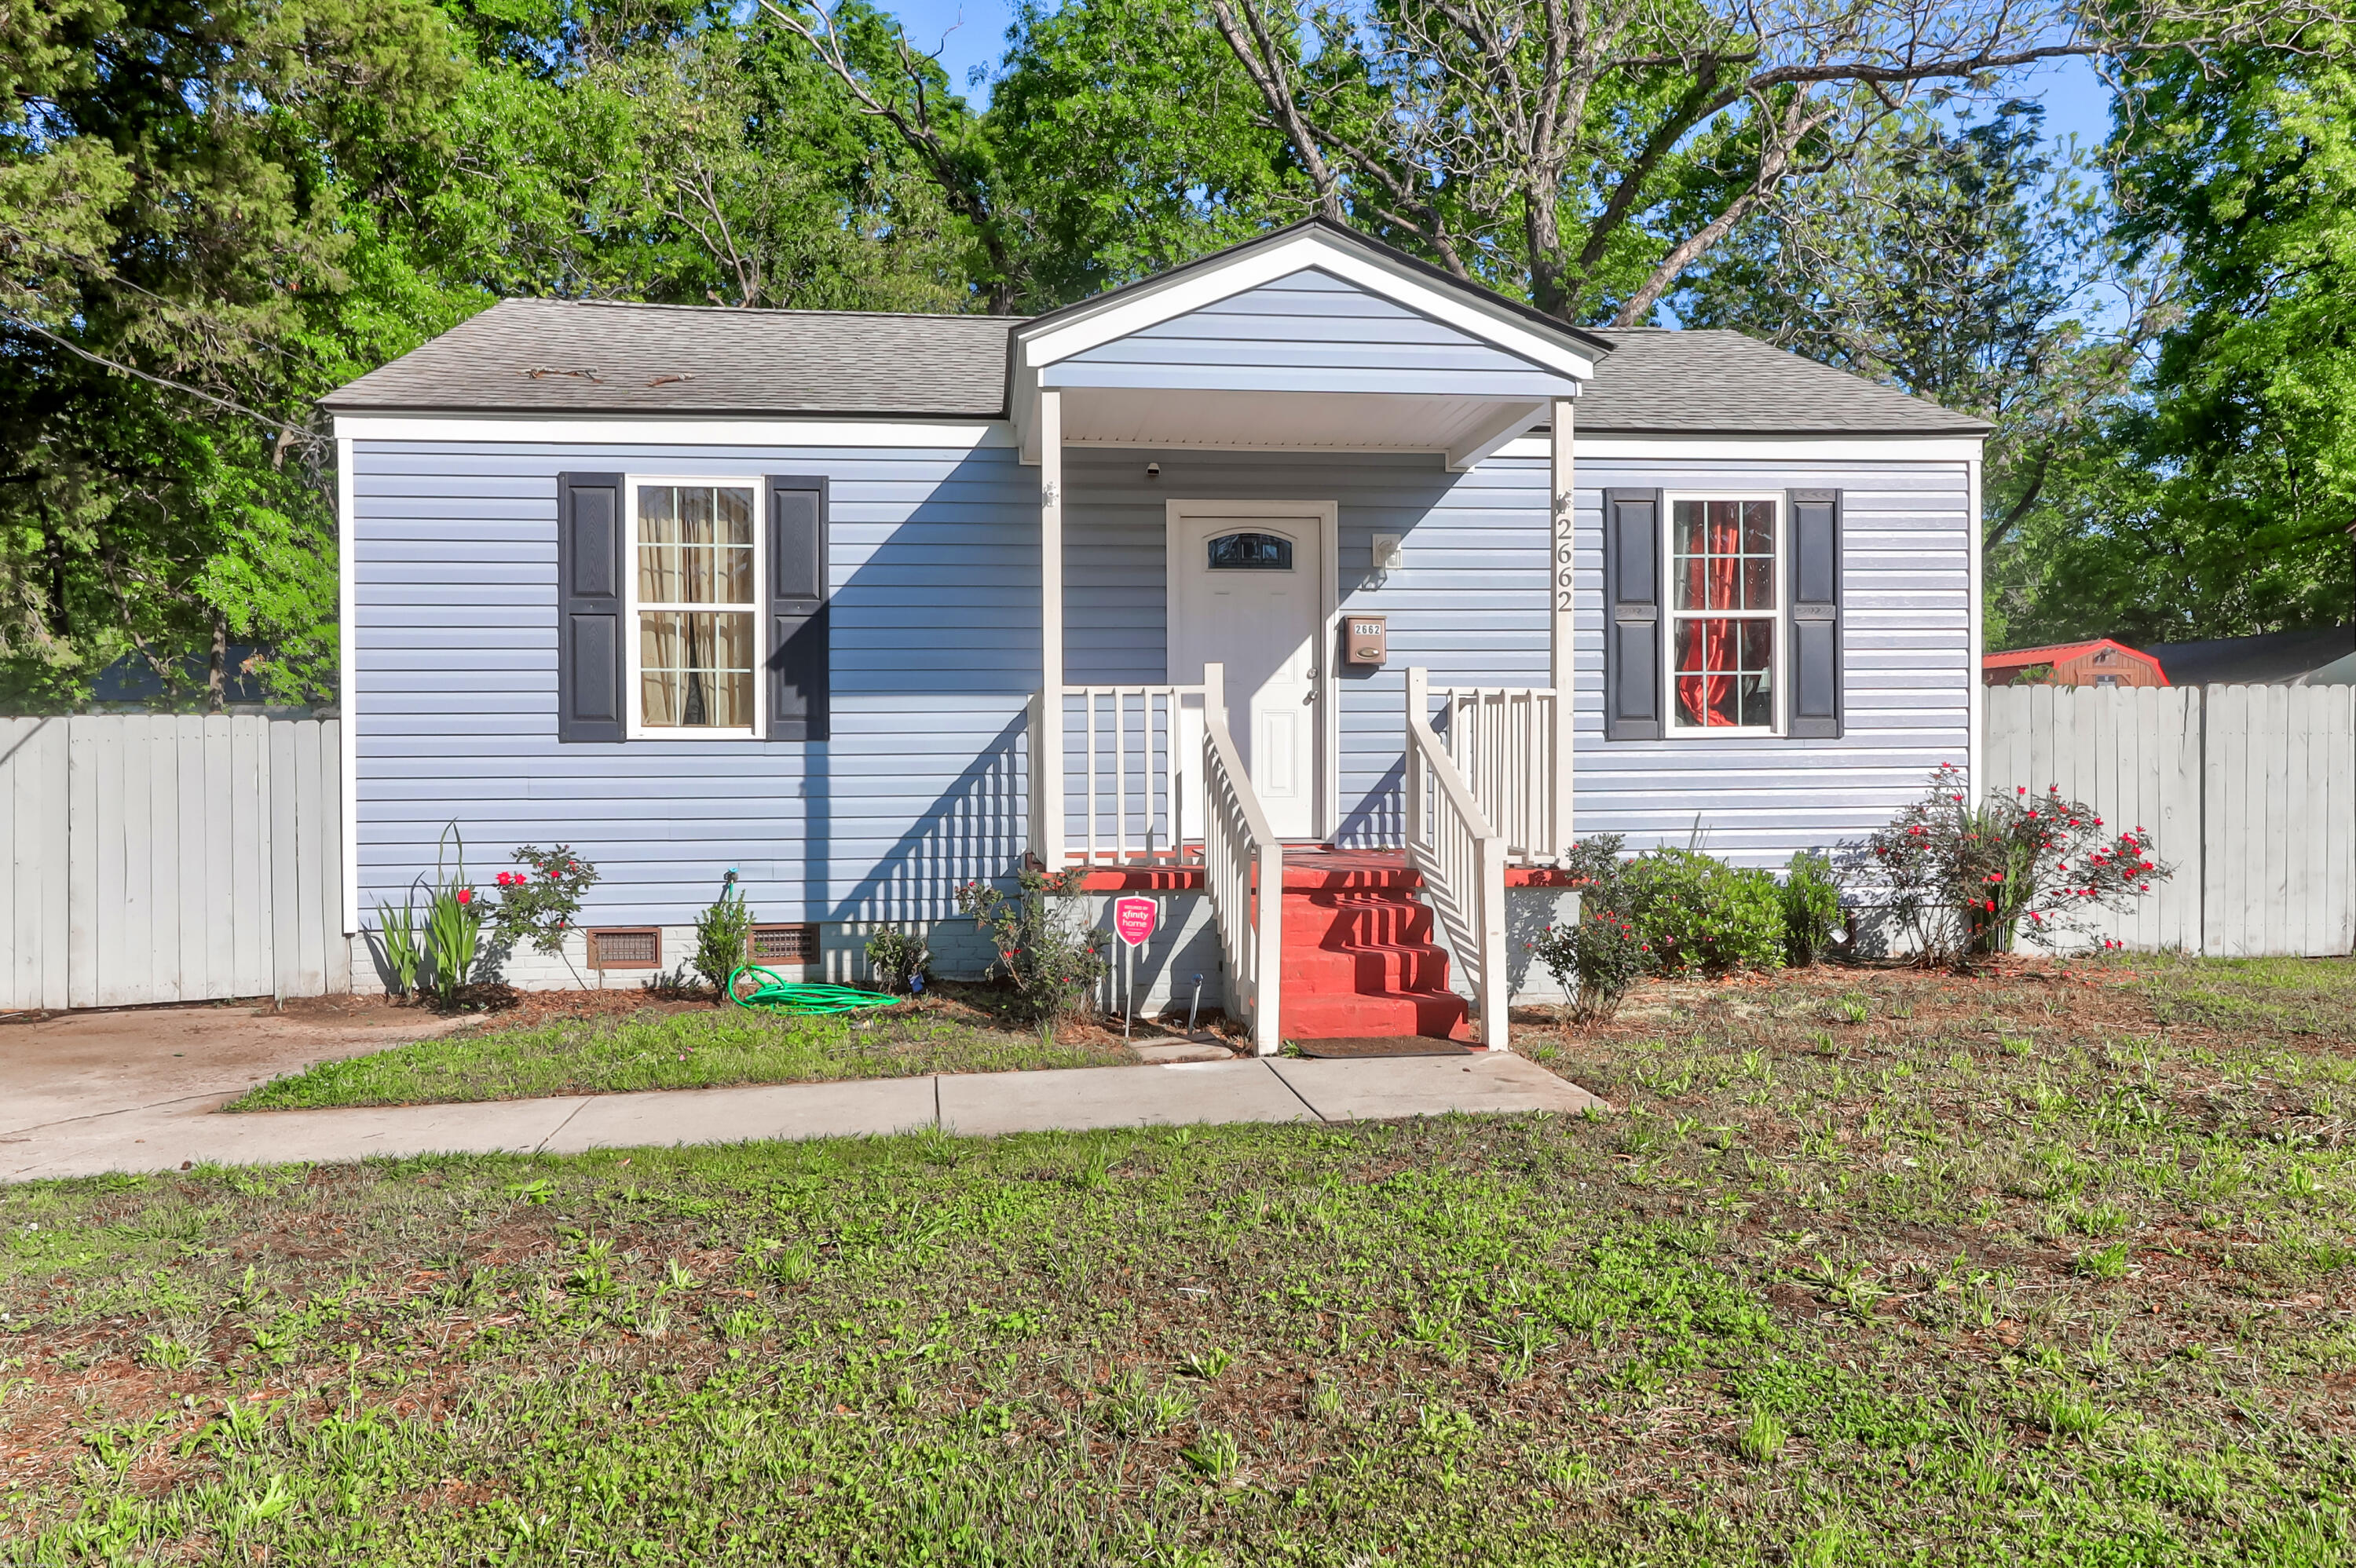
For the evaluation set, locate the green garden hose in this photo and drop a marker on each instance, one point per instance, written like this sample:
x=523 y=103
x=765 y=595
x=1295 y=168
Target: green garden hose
x=773 y=994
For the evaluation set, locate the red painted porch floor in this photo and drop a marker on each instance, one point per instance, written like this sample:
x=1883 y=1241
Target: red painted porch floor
x=1360 y=965
x=1307 y=866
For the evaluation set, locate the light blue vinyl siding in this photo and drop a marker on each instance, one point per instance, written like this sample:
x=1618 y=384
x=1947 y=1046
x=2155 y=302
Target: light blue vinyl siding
x=1906 y=538
x=1310 y=332
x=1470 y=604
x=935 y=569
x=934 y=566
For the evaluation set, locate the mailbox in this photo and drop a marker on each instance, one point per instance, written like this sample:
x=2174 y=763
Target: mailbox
x=1367 y=638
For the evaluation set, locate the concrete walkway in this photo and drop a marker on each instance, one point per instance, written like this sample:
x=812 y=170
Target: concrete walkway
x=164 y=1136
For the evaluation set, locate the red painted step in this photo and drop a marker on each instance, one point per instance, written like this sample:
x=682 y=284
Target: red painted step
x=1358 y=954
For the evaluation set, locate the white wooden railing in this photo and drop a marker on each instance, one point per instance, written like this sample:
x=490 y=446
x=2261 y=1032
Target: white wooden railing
x=1507 y=744
x=1462 y=858
x=1244 y=870
x=1139 y=778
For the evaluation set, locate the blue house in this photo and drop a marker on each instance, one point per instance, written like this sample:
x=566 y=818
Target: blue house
x=1303 y=566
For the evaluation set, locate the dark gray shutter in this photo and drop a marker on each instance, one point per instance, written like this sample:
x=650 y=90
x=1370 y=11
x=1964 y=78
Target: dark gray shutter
x=797 y=596
x=1815 y=657
x=1631 y=615
x=589 y=607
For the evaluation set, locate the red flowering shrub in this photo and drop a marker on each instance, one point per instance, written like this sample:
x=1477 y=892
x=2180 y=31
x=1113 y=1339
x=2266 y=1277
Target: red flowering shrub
x=1052 y=960
x=1965 y=881
x=1596 y=959
x=542 y=904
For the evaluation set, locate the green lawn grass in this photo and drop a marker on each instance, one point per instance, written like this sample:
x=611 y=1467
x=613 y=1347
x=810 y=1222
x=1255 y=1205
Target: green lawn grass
x=1865 y=1269
x=698 y=1049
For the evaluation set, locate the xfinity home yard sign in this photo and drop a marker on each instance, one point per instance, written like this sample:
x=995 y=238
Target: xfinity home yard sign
x=1133 y=920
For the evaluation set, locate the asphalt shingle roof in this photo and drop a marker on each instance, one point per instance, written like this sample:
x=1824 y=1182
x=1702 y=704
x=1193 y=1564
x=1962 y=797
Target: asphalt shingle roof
x=1657 y=381
x=570 y=356
x=566 y=357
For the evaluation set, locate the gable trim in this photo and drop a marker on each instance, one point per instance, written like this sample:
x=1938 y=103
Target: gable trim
x=1152 y=303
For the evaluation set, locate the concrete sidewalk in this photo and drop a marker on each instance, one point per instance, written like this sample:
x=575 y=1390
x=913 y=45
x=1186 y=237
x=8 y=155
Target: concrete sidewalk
x=1277 y=1089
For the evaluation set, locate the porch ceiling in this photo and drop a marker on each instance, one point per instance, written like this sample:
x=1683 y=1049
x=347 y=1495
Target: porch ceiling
x=1462 y=429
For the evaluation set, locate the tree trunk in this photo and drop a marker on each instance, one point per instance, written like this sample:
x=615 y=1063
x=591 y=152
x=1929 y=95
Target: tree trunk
x=216 y=667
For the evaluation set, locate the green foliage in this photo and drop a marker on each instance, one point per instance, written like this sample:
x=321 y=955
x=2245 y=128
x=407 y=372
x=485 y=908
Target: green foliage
x=1965 y=881
x=454 y=929
x=1598 y=957
x=700 y=1049
x=1811 y=907
x=404 y=951
x=902 y=959
x=722 y=935
x=541 y=903
x=1763 y=1436
x=1051 y=959
x=2241 y=171
x=190 y=194
x=1699 y=914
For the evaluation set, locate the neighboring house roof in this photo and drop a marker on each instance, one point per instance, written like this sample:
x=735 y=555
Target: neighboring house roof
x=2061 y=653
x=2272 y=659
x=566 y=357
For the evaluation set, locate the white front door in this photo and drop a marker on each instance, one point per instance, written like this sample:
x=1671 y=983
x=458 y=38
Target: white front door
x=1246 y=591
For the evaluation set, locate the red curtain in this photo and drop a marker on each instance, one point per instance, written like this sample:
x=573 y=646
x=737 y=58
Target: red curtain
x=1713 y=580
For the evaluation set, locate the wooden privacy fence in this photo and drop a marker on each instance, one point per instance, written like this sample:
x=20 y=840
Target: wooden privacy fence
x=2249 y=791
x=169 y=859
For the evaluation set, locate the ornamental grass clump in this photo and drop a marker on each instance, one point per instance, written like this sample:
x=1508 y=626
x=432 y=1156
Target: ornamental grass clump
x=1965 y=882
x=453 y=919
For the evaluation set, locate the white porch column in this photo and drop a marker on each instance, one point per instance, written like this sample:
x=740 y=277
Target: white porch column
x=1047 y=760
x=1562 y=628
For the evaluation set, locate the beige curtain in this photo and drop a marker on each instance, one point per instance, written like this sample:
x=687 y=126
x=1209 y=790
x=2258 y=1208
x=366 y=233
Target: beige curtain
x=695 y=670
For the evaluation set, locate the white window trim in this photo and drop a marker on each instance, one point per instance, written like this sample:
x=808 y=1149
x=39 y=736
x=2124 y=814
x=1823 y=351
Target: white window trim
x=633 y=726
x=1671 y=616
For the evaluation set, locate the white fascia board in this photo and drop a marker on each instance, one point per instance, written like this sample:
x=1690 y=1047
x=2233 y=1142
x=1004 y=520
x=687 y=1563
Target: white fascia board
x=1761 y=449
x=1248 y=270
x=628 y=429
x=347 y=639
x=1493 y=435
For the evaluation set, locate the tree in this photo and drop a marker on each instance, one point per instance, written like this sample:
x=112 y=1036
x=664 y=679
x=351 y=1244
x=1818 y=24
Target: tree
x=1965 y=260
x=1585 y=154
x=211 y=215
x=2245 y=178
x=175 y=185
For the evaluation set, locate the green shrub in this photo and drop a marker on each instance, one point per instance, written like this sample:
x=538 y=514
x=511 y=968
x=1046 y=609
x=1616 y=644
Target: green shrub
x=1053 y=961
x=1697 y=912
x=902 y=959
x=1811 y=908
x=1598 y=957
x=723 y=934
